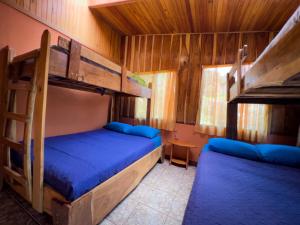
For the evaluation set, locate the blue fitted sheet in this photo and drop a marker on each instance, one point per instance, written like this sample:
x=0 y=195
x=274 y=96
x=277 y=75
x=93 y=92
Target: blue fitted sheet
x=76 y=163
x=229 y=190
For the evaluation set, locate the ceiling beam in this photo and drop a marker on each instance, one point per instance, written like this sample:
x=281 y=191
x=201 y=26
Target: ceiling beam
x=107 y=3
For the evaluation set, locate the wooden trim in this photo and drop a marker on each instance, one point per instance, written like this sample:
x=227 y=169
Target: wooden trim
x=280 y=60
x=74 y=60
x=91 y=55
x=108 y=3
x=93 y=206
x=232 y=118
x=39 y=121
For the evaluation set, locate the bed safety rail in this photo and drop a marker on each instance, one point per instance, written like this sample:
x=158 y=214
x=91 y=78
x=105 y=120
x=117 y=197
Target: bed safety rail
x=235 y=80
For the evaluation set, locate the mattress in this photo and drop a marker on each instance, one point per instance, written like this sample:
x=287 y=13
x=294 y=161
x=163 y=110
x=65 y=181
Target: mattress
x=229 y=190
x=76 y=163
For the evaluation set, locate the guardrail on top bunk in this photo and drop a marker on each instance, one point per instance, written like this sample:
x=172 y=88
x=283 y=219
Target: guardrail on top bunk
x=235 y=80
x=275 y=74
x=126 y=85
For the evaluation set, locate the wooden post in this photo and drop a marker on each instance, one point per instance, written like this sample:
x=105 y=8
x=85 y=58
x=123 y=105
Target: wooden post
x=5 y=58
x=239 y=72
x=232 y=119
x=39 y=121
x=148 y=108
x=148 y=111
x=124 y=79
x=298 y=139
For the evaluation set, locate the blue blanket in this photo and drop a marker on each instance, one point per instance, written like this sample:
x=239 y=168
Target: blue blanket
x=76 y=163
x=229 y=190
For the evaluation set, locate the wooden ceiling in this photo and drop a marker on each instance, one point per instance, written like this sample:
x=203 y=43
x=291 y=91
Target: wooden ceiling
x=194 y=16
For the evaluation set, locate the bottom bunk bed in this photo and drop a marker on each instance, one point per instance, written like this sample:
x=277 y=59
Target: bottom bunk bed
x=87 y=174
x=234 y=190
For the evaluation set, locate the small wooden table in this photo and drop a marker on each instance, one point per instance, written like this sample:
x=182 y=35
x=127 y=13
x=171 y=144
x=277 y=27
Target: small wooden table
x=187 y=147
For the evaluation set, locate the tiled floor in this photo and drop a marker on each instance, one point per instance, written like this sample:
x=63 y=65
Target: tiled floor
x=160 y=199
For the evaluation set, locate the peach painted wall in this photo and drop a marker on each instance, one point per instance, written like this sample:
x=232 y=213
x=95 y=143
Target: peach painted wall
x=68 y=111
x=186 y=133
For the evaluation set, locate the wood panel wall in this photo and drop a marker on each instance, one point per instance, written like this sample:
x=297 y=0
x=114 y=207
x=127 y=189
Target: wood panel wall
x=74 y=19
x=187 y=53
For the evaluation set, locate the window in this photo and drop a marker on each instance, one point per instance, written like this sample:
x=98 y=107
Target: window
x=252 y=118
x=162 y=114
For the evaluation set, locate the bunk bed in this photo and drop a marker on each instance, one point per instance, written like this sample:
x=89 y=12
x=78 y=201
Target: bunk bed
x=274 y=77
x=69 y=65
x=235 y=182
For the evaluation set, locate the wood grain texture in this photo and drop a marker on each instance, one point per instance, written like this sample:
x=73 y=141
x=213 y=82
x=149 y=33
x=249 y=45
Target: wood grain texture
x=280 y=61
x=168 y=52
x=39 y=121
x=74 y=19
x=195 y=16
x=93 y=206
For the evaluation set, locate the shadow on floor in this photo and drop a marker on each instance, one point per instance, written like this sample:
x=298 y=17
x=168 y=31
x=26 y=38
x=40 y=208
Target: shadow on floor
x=16 y=211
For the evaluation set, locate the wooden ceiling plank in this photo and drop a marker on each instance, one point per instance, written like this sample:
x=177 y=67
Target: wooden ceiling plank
x=108 y=3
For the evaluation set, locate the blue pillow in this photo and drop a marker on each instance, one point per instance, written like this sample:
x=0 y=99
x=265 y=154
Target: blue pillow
x=144 y=131
x=119 y=127
x=280 y=154
x=234 y=148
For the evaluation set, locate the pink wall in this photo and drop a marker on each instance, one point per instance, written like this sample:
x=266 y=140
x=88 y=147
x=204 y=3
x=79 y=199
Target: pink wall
x=68 y=111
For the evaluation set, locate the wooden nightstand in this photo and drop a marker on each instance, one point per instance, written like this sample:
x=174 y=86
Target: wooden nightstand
x=187 y=146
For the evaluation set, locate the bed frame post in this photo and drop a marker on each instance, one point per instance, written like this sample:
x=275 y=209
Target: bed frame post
x=232 y=119
x=5 y=58
x=298 y=139
x=42 y=69
x=148 y=108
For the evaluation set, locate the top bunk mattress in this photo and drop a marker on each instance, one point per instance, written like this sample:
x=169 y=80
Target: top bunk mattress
x=76 y=163
x=230 y=190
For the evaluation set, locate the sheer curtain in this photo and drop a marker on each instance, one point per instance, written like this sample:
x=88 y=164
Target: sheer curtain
x=252 y=118
x=163 y=100
x=211 y=117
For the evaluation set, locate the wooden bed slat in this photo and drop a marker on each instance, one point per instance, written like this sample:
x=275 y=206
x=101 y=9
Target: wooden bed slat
x=15 y=116
x=14 y=145
x=15 y=175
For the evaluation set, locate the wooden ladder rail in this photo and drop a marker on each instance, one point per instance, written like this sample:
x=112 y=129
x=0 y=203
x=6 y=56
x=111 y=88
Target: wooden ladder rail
x=18 y=178
x=30 y=188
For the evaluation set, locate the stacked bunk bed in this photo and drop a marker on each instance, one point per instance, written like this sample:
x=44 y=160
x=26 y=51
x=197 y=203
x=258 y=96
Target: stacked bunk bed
x=76 y=178
x=241 y=183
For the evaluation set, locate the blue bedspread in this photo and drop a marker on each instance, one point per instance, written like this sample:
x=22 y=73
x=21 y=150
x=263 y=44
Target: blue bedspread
x=76 y=163
x=228 y=191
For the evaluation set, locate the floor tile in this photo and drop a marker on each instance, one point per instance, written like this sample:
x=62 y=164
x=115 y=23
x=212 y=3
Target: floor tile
x=121 y=213
x=138 y=192
x=172 y=221
x=158 y=200
x=144 y=215
x=178 y=208
x=106 y=222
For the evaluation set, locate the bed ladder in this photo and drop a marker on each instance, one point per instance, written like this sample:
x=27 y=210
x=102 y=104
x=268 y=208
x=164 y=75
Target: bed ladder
x=19 y=178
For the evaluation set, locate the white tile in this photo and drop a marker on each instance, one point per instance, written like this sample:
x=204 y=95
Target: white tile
x=106 y=222
x=178 y=208
x=120 y=214
x=158 y=200
x=172 y=221
x=144 y=215
x=138 y=192
x=168 y=184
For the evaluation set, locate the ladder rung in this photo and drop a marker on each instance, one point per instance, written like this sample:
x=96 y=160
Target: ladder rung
x=15 y=175
x=14 y=145
x=16 y=116
x=20 y=87
x=25 y=56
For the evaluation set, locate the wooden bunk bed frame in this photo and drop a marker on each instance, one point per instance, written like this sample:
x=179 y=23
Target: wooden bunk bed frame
x=274 y=77
x=73 y=66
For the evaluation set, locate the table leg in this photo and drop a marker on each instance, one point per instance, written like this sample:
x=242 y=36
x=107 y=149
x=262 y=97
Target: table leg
x=171 y=154
x=187 y=157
